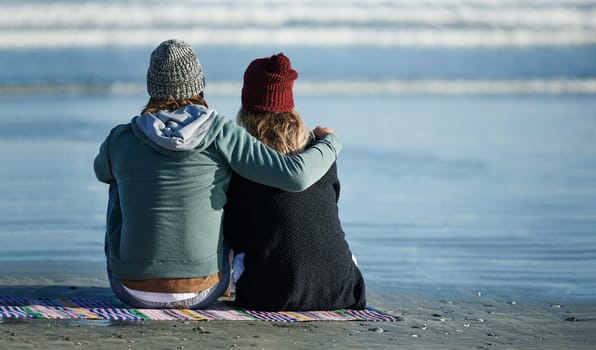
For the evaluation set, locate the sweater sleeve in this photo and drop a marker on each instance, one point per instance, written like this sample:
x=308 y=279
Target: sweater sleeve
x=101 y=165
x=293 y=173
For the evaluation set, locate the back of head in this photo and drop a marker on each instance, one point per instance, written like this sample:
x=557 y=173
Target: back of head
x=174 y=72
x=268 y=105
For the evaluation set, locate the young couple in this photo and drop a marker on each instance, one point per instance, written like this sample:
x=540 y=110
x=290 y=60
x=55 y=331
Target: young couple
x=187 y=185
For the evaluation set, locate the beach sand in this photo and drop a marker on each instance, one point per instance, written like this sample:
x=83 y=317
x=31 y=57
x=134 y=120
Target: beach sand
x=437 y=320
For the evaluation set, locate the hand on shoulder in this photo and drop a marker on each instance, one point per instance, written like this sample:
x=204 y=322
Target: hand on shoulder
x=321 y=131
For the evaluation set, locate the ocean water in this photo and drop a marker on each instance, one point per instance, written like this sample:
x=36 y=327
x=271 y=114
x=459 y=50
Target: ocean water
x=468 y=126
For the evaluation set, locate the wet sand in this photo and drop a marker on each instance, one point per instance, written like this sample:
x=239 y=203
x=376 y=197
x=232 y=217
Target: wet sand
x=437 y=320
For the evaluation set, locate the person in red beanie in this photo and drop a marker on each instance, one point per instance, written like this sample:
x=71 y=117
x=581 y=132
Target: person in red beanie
x=290 y=249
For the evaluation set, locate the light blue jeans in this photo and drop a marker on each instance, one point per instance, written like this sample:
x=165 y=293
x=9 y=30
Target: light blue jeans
x=201 y=300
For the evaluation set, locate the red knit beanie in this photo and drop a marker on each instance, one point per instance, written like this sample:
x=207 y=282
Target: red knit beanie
x=268 y=85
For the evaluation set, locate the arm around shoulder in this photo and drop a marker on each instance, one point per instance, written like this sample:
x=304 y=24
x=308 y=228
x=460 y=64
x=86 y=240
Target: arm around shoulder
x=294 y=173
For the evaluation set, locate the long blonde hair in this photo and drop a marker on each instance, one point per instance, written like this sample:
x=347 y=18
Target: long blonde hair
x=285 y=132
x=155 y=105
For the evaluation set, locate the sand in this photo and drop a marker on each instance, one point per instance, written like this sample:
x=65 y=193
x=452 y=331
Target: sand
x=454 y=319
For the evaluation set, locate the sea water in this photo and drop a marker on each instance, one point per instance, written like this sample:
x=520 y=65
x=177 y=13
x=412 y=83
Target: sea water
x=469 y=155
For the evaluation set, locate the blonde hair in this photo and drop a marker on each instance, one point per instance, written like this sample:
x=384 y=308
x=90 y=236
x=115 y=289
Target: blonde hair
x=285 y=132
x=155 y=105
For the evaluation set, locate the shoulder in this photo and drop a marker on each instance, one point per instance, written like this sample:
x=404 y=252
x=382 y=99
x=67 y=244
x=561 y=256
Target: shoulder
x=226 y=126
x=120 y=129
x=221 y=122
x=230 y=136
x=331 y=174
x=118 y=132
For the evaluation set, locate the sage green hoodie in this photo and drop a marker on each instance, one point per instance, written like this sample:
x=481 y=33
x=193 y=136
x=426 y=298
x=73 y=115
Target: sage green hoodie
x=172 y=172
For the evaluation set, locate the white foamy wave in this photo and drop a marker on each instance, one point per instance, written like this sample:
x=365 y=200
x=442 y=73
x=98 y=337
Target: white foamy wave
x=297 y=37
x=449 y=87
x=300 y=22
x=347 y=88
x=137 y=15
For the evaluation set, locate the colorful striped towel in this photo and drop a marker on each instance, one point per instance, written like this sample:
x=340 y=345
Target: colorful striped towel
x=105 y=309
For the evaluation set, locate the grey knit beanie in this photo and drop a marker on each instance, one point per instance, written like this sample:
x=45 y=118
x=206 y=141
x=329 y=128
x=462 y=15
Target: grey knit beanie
x=174 y=71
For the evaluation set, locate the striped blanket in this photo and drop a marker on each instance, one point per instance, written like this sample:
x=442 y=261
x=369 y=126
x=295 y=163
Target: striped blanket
x=12 y=307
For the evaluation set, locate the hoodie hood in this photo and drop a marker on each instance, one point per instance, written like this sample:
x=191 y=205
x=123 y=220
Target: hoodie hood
x=181 y=130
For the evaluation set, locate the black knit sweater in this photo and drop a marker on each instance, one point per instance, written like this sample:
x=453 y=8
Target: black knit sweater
x=297 y=257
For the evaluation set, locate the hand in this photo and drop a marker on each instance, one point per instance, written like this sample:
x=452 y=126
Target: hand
x=321 y=131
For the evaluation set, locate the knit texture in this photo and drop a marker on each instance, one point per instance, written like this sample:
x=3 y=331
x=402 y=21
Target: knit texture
x=174 y=71
x=297 y=257
x=268 y=84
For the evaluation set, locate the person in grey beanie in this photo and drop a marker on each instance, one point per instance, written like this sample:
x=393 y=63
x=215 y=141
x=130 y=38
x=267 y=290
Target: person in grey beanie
x=168 y=170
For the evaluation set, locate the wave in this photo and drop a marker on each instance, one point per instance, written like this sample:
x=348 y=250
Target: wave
x=301 y=37
x=297 y=37
x=137 y=15
x=299 y=22
x=348 y=88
